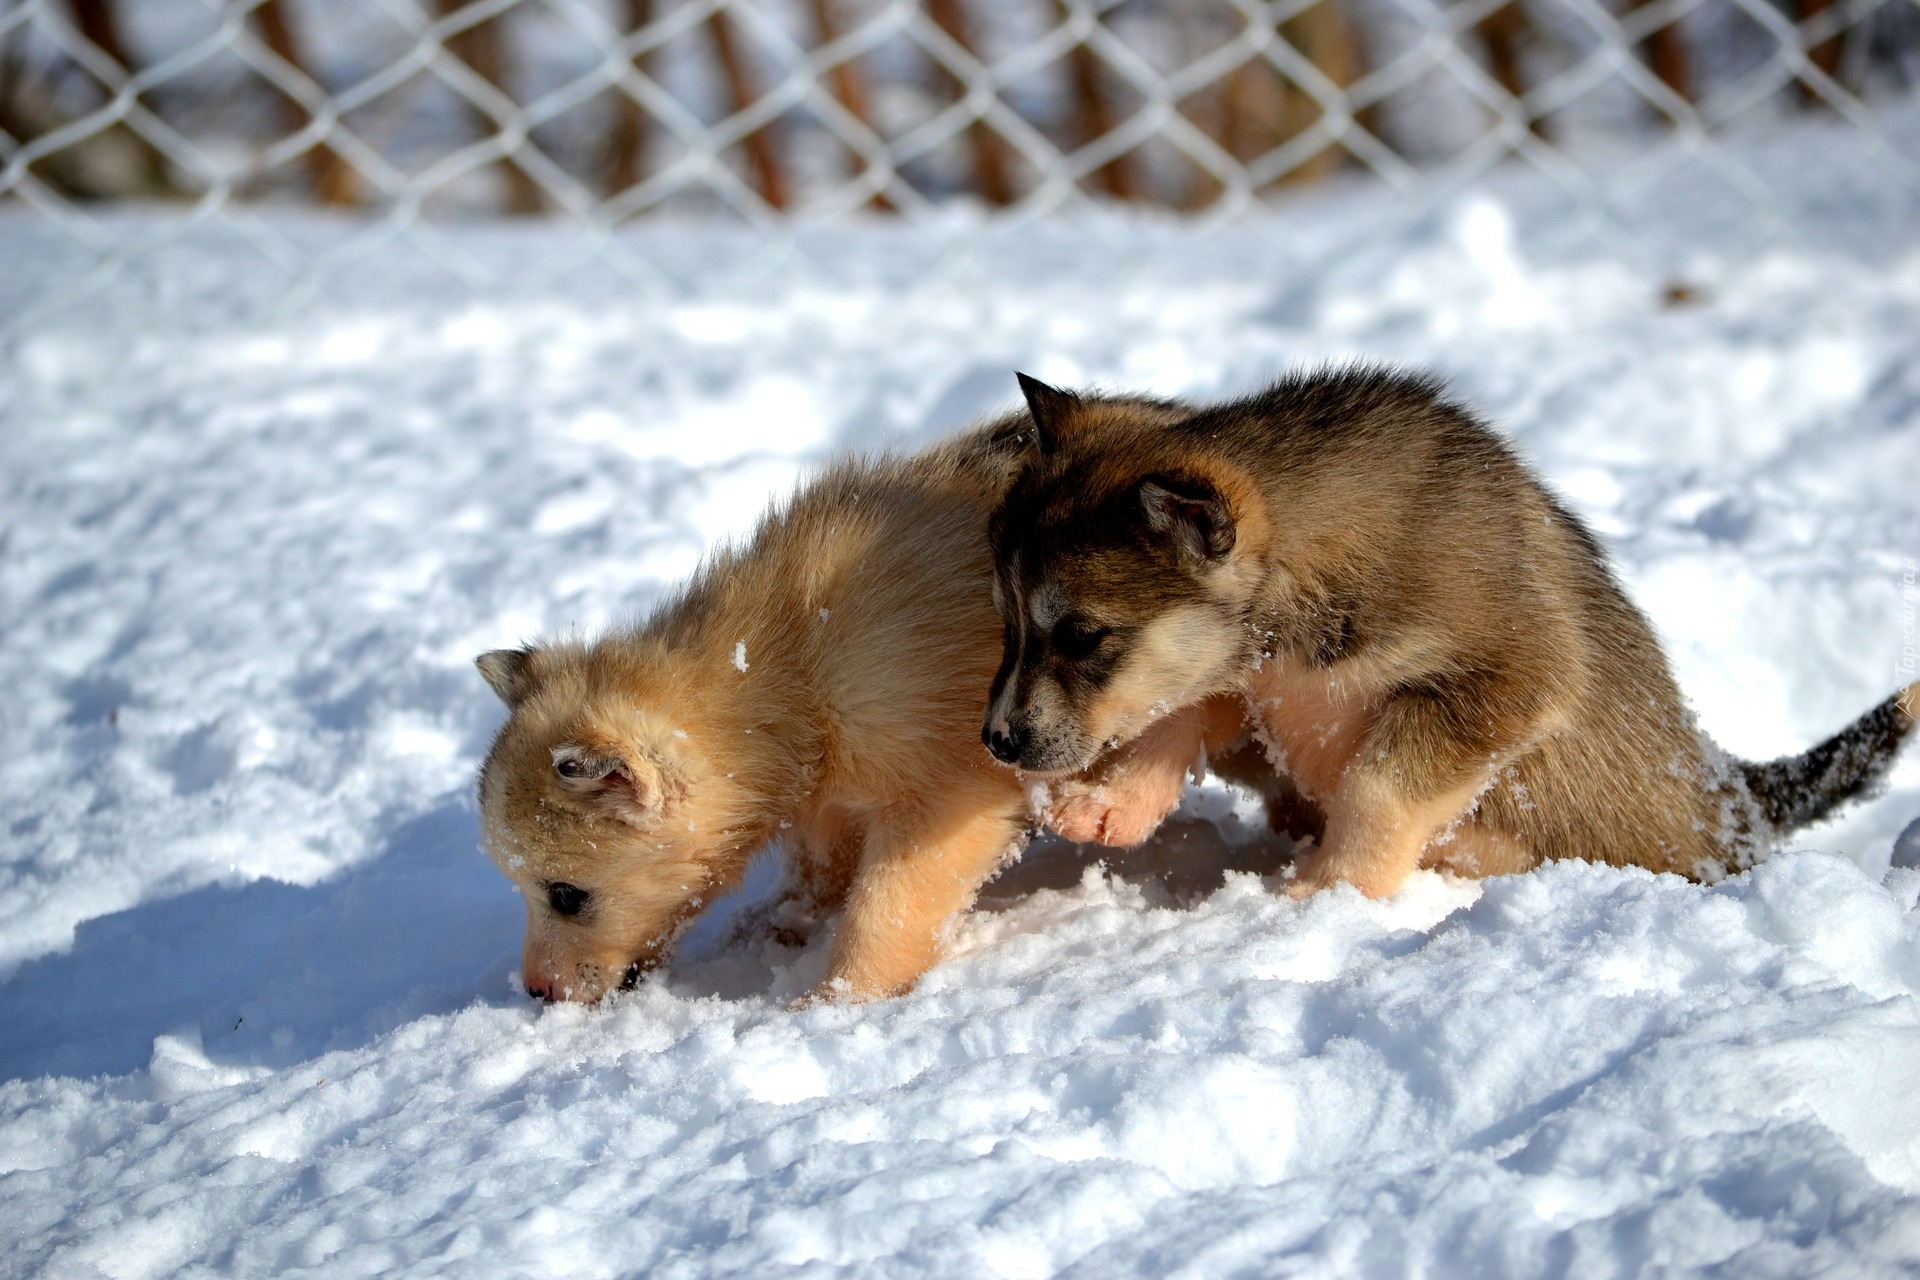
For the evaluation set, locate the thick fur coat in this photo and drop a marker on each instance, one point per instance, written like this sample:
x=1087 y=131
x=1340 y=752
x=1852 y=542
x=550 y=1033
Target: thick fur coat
x=817 y=687
x=1427 y=642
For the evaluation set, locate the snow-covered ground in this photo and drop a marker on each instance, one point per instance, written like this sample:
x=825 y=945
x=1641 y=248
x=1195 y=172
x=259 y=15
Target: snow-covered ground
x=257 y=1007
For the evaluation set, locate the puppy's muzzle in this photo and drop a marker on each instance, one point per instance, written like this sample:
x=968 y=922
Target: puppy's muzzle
x=590 y=986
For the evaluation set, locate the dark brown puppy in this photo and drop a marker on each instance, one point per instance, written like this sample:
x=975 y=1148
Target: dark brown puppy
x=1430 y=645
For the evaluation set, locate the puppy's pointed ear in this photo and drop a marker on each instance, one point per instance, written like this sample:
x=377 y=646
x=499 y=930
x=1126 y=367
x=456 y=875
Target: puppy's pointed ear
x=508 y=672
x=631 y=788
x=1052 y=410
x=1191 y=511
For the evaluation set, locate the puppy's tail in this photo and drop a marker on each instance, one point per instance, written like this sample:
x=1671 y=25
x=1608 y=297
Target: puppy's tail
x=1794 y=791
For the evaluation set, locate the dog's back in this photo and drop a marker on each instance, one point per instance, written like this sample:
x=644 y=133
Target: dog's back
x=878 y=577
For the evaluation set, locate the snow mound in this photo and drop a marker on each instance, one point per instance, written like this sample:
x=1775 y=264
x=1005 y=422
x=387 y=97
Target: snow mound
x=1582 y=1068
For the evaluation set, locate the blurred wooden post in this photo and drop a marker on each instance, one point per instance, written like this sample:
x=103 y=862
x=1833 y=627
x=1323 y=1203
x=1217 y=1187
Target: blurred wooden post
x=989 y=149
x=1263 y=110
x=849 y=90
x=1094 y=114
x=1826 y=54
x=1503 y=32
x=481 y=49
x=100 y=25
x=333 y=180
x=1666 y=53
x=1325 y=38
x=1253 y=98
x=767 y=175
x=627 y=149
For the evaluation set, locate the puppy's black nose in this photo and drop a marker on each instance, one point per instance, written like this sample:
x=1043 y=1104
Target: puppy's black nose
x=1006 y=744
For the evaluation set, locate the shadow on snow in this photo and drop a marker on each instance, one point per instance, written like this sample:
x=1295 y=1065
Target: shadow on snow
x=271 y=974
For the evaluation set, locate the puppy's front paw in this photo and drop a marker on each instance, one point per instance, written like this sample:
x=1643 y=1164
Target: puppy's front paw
x=788 y=921
x=1322 y=870
x=1310 y=875
x=1080 y=816
x=1304 y=886
x=1119 y=813
x=829 y=990
x=843 y=990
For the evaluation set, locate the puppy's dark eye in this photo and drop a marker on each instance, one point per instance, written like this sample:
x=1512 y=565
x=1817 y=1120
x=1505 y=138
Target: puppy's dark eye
x=567 y=899
x=1077 y=638
x=571 y=762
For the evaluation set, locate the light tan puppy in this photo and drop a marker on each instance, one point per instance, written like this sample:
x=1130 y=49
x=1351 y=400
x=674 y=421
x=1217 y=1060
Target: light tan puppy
x=818 y=687
x=1432 y=647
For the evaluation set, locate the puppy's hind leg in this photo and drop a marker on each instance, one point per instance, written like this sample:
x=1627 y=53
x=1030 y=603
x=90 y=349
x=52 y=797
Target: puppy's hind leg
x=1433 y=750
x=1475 y=849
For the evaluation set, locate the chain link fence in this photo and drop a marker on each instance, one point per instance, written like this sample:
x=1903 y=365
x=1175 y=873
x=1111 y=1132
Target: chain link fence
x=402 y=118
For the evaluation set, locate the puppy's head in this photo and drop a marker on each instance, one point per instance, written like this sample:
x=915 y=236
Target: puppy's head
x=1122 y=579
x=598 y=806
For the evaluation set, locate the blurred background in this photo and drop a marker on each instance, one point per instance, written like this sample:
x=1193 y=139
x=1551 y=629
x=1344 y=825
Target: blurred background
x=392 y=117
